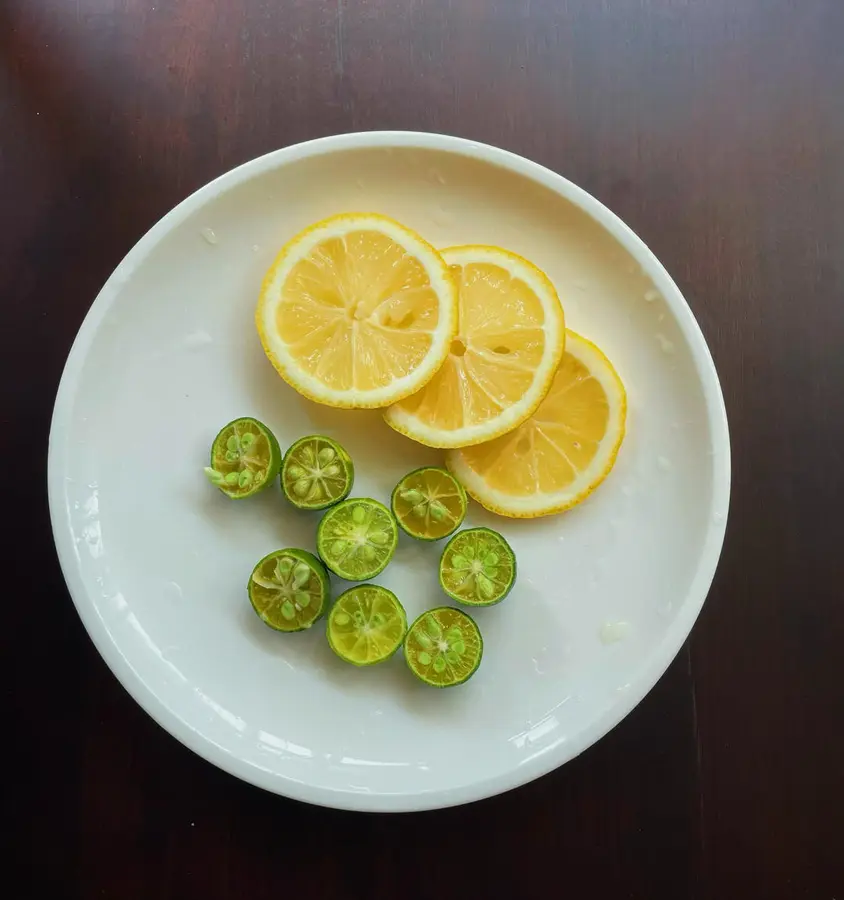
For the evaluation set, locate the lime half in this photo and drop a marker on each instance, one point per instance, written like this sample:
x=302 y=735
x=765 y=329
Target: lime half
x=245 y=458
x=366 y=625
x=478 y=567
x=357 y=538
x=289 y=589
x=316 y=473
x=429 y=503
x=443 y=647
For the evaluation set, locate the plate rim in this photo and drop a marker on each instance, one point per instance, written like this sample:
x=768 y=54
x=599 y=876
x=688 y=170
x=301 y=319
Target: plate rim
x=654 y=664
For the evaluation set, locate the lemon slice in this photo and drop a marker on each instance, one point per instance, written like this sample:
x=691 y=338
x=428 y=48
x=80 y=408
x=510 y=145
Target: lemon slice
x=510 y=341
x=357 y=311
x=562 y=452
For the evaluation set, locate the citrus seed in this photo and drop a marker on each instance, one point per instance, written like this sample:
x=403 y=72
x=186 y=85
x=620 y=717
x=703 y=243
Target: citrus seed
x=438 y=511
x=301 y=574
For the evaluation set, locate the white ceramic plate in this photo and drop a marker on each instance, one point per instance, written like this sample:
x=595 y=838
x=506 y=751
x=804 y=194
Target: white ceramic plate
x=157 y=561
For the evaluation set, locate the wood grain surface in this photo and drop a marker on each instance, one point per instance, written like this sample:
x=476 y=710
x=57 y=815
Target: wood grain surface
x=715 y=128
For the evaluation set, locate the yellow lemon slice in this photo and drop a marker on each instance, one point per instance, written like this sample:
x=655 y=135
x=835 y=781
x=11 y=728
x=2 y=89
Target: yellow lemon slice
x=357 y=311
x=562 y=452
x=510 y=341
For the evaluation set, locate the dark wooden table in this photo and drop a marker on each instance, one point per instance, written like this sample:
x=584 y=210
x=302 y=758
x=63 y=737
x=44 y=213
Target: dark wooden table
x=715 y=128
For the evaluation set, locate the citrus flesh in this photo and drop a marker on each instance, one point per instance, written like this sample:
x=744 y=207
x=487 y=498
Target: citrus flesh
x=245 y=458
x=357 y=311
x=357 y=538
x=366 y=625
x=556 y=458
x=501 y=363
x=289 y=589
x=316 y=472
x=477 y=567
x=429 y=503
x=443 y=647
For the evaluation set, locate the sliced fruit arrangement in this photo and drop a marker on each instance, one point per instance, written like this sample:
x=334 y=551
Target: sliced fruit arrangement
x=467 y=349
x=557 y=457
x=245 y=458
x=429 y=503
x=477 y=567
x=443 y=647
x=366 y=625
x=510 y=340
x=289 y=589
x=357 y=311
x=316 y=472
x=357 y=538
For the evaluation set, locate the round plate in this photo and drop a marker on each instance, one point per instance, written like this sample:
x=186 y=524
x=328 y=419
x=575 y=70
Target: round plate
x=156 y=560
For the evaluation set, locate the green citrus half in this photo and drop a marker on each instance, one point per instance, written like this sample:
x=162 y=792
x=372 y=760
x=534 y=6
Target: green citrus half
x=443 y=647
x=366 y=625
x=478 y=567
x=245 y=458
x=316 y=472
x=429 y=503
x=289 y=589
x=357 y=538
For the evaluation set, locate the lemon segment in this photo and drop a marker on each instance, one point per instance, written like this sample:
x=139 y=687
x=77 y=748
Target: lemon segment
x=510 y=340
x=559 y=455
x=357 y=311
